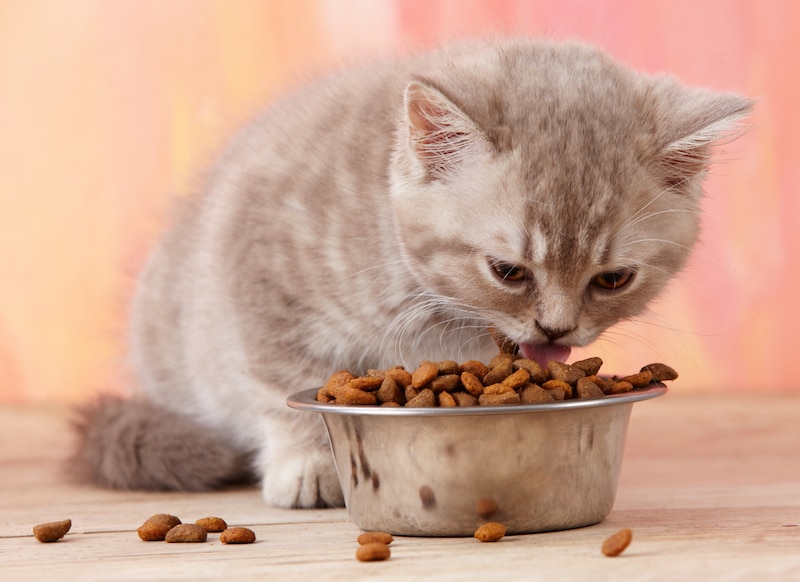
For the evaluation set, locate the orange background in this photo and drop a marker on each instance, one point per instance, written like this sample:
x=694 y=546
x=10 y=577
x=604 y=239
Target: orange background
x=107 y=108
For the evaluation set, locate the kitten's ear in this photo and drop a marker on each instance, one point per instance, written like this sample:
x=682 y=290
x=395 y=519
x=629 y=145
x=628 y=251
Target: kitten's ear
x=441 y=136
x=698 y=119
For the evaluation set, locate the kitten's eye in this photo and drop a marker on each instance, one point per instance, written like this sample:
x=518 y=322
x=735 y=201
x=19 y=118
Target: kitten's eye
x=508 y=272
x=613 y=280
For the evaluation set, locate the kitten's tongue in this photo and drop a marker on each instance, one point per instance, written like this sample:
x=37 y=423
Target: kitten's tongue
x=544 y=353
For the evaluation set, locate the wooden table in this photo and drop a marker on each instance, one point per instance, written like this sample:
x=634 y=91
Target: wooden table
x=710 y=487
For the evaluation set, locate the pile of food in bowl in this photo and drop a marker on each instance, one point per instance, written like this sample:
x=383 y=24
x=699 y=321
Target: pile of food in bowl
x=507 y=379
x=426 y=452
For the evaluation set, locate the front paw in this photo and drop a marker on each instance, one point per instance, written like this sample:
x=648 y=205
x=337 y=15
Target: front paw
x=302 y=479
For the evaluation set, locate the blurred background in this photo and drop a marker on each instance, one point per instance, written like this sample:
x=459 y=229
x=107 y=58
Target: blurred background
x=108 y=109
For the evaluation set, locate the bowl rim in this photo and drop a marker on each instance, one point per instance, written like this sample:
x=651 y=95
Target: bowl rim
x=305 y=400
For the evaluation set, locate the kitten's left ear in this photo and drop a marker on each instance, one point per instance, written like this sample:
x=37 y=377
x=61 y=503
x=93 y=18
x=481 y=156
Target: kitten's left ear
x=697 y=119
x=441 y=136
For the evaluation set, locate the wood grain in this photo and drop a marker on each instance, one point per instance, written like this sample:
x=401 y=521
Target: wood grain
x=710 y=487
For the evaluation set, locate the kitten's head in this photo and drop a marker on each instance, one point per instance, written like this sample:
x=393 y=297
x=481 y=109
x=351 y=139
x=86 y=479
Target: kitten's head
x=548 y=190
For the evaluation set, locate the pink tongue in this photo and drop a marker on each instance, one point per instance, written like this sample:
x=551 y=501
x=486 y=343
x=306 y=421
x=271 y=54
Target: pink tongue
x=544 y=353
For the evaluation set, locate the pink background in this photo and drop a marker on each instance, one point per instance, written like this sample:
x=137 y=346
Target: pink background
x=108 y=108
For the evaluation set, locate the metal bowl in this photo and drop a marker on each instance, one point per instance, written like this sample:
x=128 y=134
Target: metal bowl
x=444 y=471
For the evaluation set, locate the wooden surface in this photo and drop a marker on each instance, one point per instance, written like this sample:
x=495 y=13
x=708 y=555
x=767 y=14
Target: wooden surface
x=710 y=487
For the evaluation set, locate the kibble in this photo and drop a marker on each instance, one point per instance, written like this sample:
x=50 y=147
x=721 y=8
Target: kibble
x=186 y=533
x=375 y=536
x=491 y=531
x=508 y=379
x=153 y=531
x=616 y=543
x=373 y=552
x=52 y=531
x=237 y=535
x=212 y=524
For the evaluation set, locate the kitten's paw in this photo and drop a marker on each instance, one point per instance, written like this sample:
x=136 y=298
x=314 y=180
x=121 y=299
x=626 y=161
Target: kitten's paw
x=302 y=479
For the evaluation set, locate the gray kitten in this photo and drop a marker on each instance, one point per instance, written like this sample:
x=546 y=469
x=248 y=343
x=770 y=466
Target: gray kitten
x=391 y=214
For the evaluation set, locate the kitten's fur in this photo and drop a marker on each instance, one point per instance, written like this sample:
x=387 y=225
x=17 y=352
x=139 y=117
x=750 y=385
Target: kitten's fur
x=369 y=220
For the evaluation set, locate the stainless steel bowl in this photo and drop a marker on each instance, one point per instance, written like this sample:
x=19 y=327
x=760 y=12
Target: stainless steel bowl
x=440 y=471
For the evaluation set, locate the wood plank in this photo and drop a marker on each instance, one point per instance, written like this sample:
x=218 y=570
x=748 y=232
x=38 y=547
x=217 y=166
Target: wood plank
x=710 y=486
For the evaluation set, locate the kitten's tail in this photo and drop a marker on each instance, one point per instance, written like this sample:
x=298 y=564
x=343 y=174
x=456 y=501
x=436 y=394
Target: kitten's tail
x=133 y=444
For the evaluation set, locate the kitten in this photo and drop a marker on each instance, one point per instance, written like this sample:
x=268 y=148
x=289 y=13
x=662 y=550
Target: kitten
x=390 y=214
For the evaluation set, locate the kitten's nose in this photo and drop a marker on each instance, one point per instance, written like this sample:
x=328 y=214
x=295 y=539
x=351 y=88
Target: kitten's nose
x=553 y=333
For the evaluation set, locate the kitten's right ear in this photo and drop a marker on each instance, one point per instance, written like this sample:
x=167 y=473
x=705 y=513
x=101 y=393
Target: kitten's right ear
x=698 y=118
x=441 y=136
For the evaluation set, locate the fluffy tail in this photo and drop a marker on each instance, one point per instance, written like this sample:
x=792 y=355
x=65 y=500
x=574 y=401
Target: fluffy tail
x=132 y=444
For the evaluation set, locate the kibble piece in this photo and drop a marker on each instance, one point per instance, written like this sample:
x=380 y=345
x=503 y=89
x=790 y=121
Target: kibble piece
x=323 y=396
x=499 y=399
x=186 y=533
x=661 y=372
x=170 y=520
x=446 y=400
x=447 y=367
x=585 y=389
x=501 y=388
x=335 y=381
x=490 y=532
x=51 y=531
x=399 y=375
x=499 y=369
x=446 y=383
x=517 y=378
x=639 y=380
x=350 y=396
x=471 y=383
x=390 y=391
x=616 y=543
x=538 y=374
x=153 y=531
x=565 y=372
x=237 y=535
x=425 y=399
x=619 y=387
x=479 y=369
x=369 y=537
x=212 y=524
x=410 y=393
x=559 y=385
x=464 y=399
x=366 y=383
x=373 y=552
x=533 y=394
x=590 y=366
x=426 y=372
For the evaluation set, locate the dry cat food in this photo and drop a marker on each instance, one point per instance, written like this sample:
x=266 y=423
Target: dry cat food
x=212 y=524
x=237 y=535
x=166 y=527
x=373 y=552
x=491 y=531
x=186 y=533
x=52 y=531
x=616 y=543
x=507 y=379
x=375 y=536
x=156 y=527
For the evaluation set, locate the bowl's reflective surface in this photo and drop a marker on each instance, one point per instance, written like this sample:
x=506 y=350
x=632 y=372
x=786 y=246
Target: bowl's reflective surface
x=427 y=471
